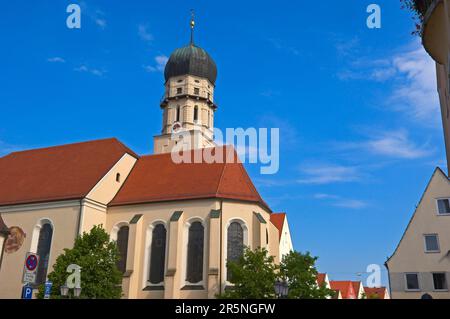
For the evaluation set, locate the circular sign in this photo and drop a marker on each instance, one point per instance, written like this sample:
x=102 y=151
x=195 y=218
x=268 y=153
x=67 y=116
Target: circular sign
x=15 y=240
x=31 y=262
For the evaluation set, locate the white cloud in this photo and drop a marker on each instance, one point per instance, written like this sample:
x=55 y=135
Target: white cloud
x=327 y=174
x=100 y=22
x=338 y=201
x=93 y=71
x=325 y=196
x=97 y=16
x=144 y=33
x=413 y=87
x=351 y=203
x=160 y=64
x=394 y=144
x=56 y=59
x=417 y=94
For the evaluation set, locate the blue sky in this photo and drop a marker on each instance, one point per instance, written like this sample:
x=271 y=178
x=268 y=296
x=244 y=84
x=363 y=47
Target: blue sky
x=357 y=109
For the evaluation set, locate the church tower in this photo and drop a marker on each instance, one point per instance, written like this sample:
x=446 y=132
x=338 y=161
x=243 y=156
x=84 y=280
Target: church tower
x=188 y=102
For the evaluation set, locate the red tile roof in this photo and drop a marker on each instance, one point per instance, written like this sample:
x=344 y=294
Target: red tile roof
x=57 y=173
x=278 y=220
x=158 y=178
x=345 y=287
x=321 y=279
x=375 y=292
x=356 y=286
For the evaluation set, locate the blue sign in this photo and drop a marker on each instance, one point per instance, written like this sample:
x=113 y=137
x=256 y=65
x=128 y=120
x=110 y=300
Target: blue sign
x=47 y=289
x=27 y=292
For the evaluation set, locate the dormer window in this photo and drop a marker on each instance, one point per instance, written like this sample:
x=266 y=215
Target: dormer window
x=118 y=177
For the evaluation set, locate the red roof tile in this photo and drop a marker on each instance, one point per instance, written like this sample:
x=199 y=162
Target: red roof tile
x=356 y=287
x=321 y=279
x=345 y=287
x=157 y=178
x=278 y=220
x=375 y=292
x=57 y=173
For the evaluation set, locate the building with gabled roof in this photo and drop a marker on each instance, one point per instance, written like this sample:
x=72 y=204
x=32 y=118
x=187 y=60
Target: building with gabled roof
x=279 y=220
x=376 y=293
x=176 y=224
x=345 y=289
x=420 y=263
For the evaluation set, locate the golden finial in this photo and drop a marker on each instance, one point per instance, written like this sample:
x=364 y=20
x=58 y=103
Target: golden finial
x=192 y=26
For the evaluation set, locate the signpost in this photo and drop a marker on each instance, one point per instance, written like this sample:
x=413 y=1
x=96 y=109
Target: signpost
x=47 y=289
x=30 y=268
x=27 y=292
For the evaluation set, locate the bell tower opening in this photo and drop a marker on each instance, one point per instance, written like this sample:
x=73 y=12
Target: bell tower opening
x=188 y=102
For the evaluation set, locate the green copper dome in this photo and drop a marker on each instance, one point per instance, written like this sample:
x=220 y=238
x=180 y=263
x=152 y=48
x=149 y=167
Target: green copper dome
x=191 y=60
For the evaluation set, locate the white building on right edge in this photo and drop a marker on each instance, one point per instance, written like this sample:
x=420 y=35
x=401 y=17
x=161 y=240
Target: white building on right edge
x=420 y=265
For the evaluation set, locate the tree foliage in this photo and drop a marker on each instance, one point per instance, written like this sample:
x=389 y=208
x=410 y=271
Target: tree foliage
x=299 y=271
x=253 y=276
x=97 y=256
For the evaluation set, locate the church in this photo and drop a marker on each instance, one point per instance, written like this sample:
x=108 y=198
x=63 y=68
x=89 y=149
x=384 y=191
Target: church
x=176 y=224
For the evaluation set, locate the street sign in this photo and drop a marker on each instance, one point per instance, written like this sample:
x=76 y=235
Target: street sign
x=27 y=292
x=30 y=268
x=47 y=289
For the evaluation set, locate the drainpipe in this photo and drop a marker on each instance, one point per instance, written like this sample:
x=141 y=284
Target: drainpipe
x=80 y=217
x=221 y=244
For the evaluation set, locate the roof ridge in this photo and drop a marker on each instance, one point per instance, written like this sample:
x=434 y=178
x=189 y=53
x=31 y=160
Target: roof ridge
x=64 y=145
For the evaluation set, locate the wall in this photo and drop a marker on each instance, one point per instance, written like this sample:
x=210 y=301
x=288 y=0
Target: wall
x=64 y=217
x=410 y=255
x=214 y=251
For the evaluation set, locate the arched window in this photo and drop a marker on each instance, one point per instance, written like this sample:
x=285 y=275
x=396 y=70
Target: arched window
x=122 y=244
x=194 y=270
x=195 y=113
x=43 y=250
x=235 y=244
x=178 y=113
x=158 y=254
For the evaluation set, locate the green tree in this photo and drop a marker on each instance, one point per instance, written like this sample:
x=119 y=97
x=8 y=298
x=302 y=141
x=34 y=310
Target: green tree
x=97 y=256
x=299 y=271
x=253 y=276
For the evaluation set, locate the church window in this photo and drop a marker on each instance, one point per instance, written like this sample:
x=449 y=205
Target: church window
x=196 y=91
x=194 y=269
x=179 y=90
x=122 y=244
x=195 y=113
x=158 y=254
x=235 y=244
x=43 y=251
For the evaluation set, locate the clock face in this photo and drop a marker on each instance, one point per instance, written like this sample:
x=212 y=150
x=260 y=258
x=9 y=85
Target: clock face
x=176 y=127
